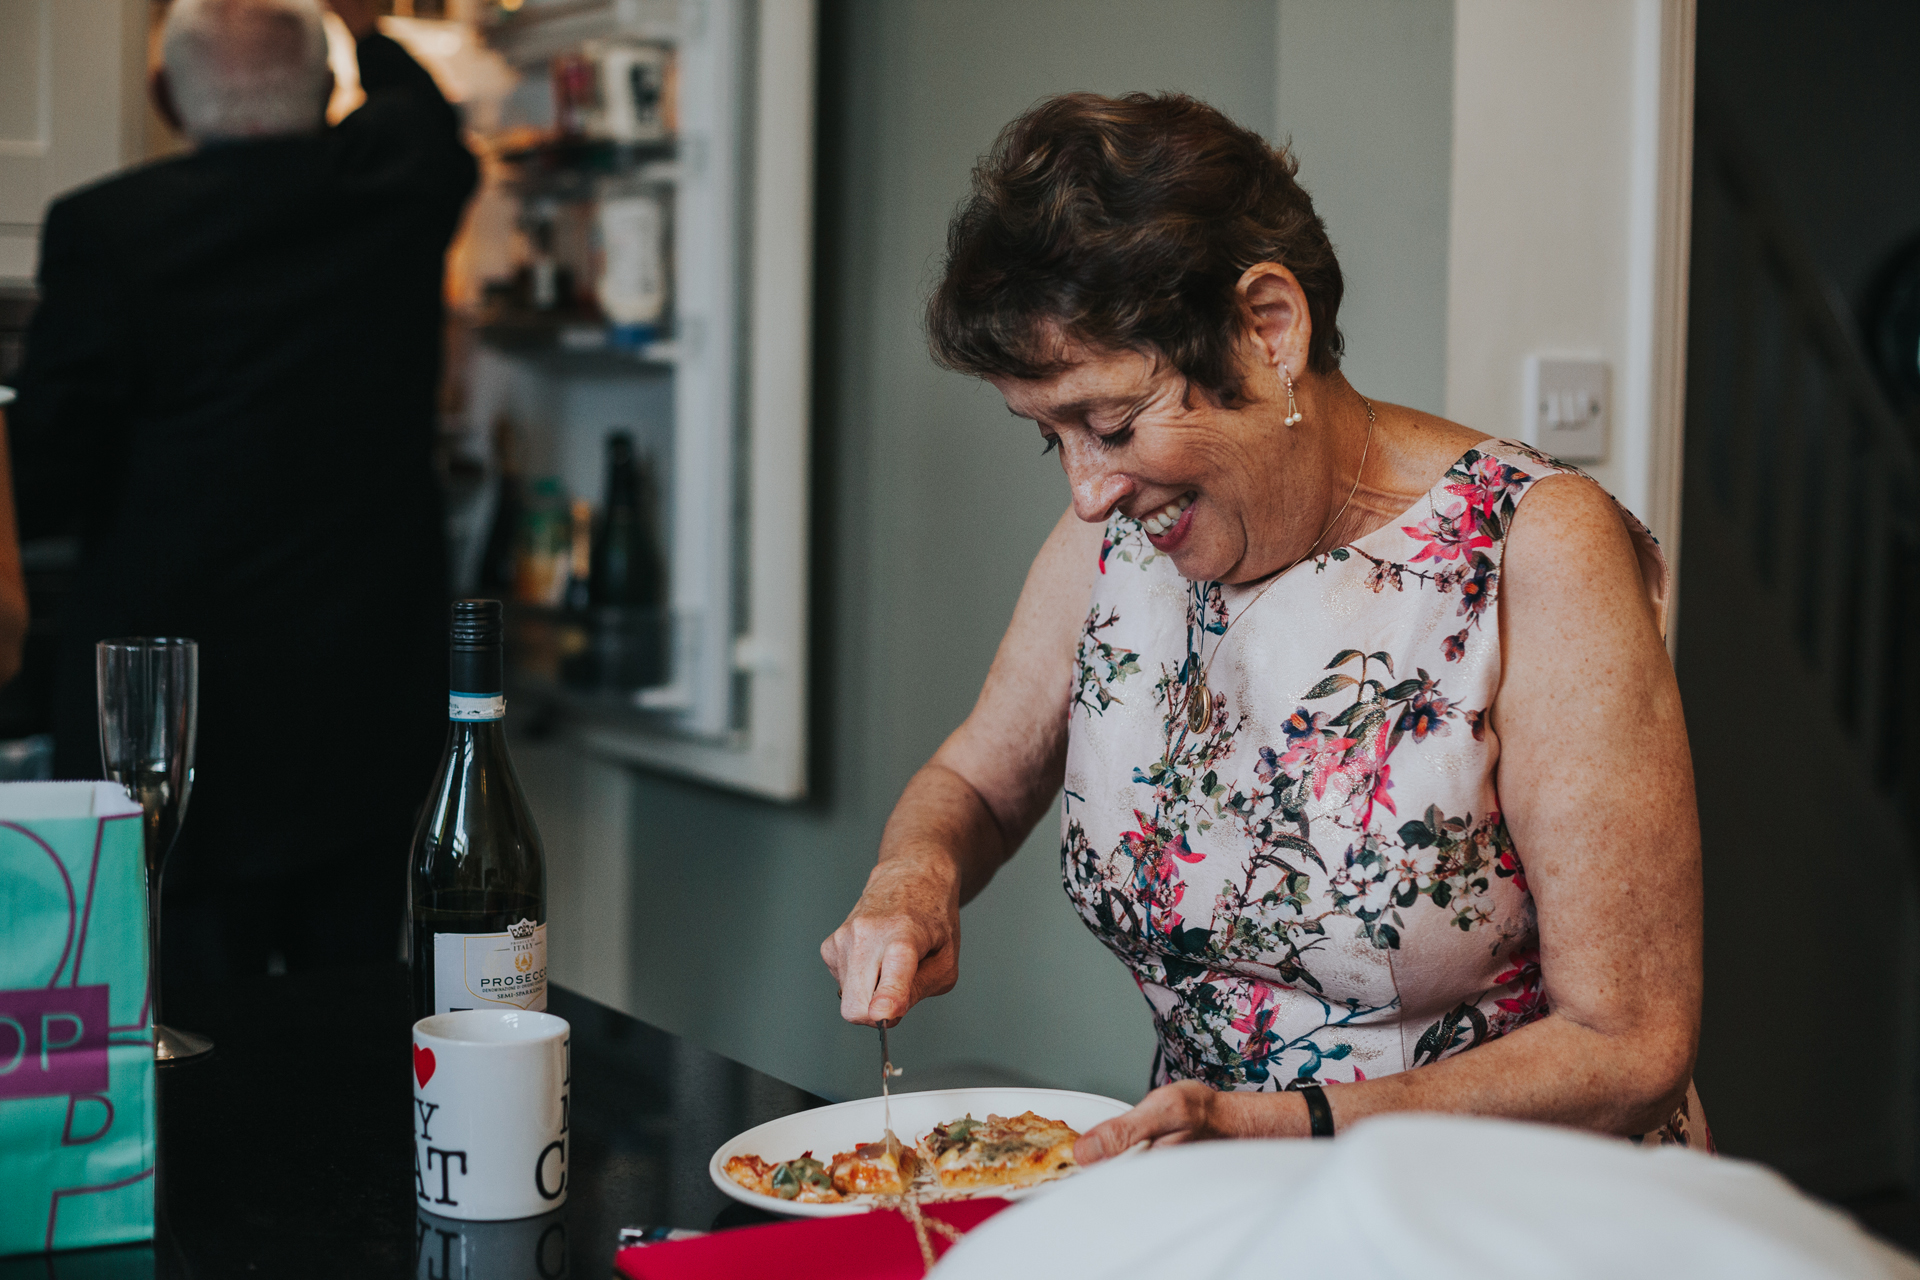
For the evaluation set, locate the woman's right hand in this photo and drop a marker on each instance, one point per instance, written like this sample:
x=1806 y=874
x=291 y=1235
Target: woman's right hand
x=899 y=944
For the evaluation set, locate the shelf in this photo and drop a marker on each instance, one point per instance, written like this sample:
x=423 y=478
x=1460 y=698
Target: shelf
x=590 y=155
x=542 y=28
x=575 y=344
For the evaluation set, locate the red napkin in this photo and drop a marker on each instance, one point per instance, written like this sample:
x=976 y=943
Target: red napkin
x=868 y=1246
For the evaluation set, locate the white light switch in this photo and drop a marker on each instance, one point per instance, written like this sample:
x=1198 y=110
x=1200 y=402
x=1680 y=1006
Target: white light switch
x=1568 y=407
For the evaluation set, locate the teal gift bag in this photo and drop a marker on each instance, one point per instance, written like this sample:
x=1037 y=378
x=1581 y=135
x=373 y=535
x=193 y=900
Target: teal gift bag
x=76 y=1038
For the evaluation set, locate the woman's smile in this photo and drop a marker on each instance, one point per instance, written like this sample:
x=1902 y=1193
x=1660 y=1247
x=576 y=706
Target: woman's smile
x=1167 y=527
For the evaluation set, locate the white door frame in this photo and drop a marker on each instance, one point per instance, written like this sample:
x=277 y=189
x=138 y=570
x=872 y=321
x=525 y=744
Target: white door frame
x=1569 y=222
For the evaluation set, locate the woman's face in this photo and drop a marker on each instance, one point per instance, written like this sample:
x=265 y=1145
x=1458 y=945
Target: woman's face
x=1132 y=438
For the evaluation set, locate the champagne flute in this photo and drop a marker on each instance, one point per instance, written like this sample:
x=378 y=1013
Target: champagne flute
x=149 y=714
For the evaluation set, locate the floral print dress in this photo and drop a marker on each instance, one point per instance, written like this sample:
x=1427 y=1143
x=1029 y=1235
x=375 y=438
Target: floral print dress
x=1318 y=886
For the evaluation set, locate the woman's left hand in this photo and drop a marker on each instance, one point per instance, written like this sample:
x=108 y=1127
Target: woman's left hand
x=1185 y=1111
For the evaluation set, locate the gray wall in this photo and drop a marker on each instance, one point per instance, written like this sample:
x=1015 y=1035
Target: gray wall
x=1366 y=100
x=932 y=501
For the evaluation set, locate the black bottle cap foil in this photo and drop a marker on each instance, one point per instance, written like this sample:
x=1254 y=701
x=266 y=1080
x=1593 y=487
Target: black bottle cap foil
x=474 y=648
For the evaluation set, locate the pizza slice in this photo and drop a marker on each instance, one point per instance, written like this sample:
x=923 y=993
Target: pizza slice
x=875 y=1168
x=804 y=1180
x=1000 y=1151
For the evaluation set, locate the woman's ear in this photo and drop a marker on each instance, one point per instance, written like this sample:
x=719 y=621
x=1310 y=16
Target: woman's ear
x=1277 y=316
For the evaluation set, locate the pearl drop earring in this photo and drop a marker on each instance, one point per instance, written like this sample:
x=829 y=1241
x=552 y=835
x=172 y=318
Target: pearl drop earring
x=1293 y=408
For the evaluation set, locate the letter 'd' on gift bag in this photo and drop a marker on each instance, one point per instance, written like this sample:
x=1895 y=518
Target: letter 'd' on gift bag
x=76 y=1040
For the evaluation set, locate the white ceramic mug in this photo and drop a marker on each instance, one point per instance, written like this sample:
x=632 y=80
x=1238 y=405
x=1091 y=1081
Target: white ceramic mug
x=490 y=1089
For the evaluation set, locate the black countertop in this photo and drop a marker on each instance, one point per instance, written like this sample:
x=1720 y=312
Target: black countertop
x=288 y=1151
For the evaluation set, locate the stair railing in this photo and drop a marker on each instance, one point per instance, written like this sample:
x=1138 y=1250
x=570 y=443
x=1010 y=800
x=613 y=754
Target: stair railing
x=1803 y=451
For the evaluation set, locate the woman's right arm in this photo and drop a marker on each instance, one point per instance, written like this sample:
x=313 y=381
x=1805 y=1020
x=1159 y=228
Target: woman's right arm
x=967 y=809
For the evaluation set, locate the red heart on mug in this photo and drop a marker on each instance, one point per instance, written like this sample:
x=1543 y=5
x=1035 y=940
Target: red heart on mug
x=422 y=1064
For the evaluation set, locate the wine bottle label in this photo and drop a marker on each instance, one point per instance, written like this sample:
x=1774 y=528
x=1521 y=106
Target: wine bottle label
x=476 y=706
x=491 y=970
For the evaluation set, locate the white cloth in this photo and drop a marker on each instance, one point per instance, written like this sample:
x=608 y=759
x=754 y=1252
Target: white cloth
x=1425 y=1197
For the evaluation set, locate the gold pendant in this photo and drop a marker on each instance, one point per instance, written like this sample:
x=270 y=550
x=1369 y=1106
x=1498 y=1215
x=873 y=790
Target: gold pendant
x=1199 y=705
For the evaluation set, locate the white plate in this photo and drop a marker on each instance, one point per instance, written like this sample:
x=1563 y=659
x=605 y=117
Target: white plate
x=827 y=1131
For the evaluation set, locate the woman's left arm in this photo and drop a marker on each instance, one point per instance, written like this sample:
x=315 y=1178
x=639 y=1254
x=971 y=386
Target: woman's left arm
x=1596 y=785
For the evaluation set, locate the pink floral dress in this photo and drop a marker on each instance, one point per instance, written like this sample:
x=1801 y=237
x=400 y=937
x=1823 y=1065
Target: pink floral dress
x=1317 y=887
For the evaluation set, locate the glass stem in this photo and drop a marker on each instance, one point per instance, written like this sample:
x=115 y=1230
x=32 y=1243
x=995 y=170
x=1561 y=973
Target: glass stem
x=153 y=933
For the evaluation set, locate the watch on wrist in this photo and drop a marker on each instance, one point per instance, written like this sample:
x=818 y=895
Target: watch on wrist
x=1319 y=1112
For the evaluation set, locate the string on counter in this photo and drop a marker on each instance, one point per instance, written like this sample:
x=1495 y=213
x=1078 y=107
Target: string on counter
x=908 y=1206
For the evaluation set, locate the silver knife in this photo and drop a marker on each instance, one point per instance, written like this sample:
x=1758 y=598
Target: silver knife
x=887 y=1072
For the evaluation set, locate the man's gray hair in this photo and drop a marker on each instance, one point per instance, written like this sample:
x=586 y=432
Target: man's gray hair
x=246 y=68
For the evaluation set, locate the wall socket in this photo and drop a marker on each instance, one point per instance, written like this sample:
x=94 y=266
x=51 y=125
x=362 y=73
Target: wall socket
x=1568 y=407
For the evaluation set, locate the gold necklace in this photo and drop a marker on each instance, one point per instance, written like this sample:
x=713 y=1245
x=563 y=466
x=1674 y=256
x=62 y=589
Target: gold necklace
x=1199 y=702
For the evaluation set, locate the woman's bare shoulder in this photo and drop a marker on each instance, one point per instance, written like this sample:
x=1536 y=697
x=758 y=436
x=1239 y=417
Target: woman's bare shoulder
x=1567 y=511
x=1437 y=440
x=1570 y=544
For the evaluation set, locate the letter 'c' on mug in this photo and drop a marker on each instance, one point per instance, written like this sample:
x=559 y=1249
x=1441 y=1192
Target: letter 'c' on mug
x=557 y=1147
x=490 y=1087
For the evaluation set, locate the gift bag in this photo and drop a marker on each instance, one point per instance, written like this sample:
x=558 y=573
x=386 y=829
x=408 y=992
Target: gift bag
x=76 y=1044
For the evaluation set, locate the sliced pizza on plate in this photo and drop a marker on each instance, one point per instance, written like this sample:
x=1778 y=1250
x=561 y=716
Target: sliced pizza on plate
x=1000 y=1151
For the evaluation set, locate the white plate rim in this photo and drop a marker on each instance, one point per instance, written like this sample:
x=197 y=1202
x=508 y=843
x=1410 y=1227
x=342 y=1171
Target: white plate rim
x=737 y=1145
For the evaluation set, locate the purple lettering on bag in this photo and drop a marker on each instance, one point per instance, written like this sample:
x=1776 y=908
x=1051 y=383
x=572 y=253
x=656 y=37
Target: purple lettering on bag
x=53 y=1041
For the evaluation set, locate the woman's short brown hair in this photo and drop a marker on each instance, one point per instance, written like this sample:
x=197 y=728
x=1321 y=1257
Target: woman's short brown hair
x=1127 y=222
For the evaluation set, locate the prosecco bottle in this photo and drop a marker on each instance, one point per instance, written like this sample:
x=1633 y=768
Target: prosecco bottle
x=477 y=917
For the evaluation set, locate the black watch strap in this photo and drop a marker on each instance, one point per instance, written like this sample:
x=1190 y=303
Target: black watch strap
x=1319 y=1113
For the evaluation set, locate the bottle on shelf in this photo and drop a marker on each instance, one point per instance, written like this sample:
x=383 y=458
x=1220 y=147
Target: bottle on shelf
x=632 y=288
x=498 y=562
x=633 y=91
x=580 y=559
x=546 y=546
x=576 y=89
x=627 y=570
x=544 y=291
x=477 y=901
x=629 y=577
x=579 y=666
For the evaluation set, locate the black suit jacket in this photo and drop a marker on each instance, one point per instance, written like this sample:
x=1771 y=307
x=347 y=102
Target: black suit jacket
x=229 y=394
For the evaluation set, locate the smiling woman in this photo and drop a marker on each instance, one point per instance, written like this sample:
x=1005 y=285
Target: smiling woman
x=1375 y=772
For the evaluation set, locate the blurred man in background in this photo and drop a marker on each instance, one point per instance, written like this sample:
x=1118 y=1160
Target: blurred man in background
x=229 y=394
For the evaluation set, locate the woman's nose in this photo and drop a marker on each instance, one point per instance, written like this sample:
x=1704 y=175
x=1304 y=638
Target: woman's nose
x=1097 y=489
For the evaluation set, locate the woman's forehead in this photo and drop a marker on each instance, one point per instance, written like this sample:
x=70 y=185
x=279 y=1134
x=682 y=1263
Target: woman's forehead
x=1089 y=379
